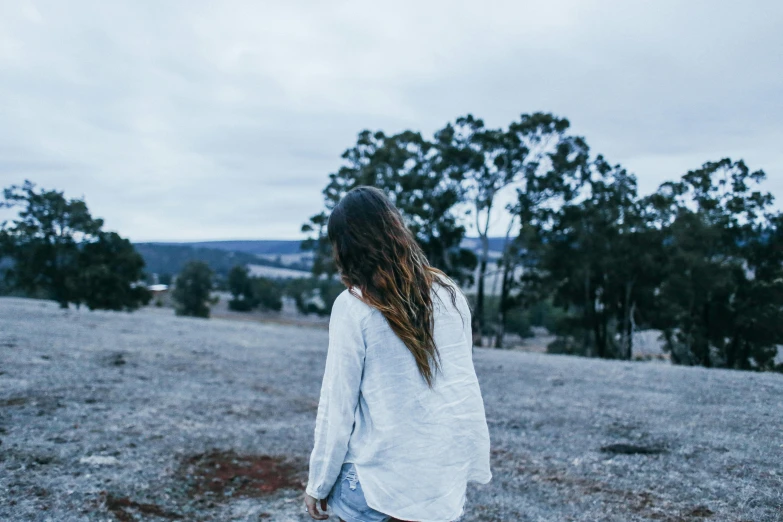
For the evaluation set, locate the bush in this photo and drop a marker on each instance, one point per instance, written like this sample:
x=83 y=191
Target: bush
x=249 y=292
x=313 y=295
x=566 y=346
x=108 y=265
x=268 y=293
x=518 y=322
x=192 y=290
x=241 y=288
x=240 y=305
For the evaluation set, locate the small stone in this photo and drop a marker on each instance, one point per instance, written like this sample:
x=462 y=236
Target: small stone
x=99 y=460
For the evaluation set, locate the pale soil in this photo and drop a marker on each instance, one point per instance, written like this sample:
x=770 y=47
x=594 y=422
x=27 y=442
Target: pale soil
x=148 y=416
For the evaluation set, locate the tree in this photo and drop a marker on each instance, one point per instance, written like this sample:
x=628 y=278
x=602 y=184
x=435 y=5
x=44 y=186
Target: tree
x=701 y=259
x=758 y=306
x=240 y=285
x=268 y=293
x=314 y=295
x=487 y=161
x=192 y=290
x=721 y=303
x=107 y=264
x=595 y=255
x=249 y=293
x=58 y=250
x=550 y=178
x=403 y=166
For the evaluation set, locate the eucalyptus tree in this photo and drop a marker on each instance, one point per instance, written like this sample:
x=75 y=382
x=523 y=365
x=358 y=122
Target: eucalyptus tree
x=588 y=252
x=404 y=166
x=489 y=161
x=722 y=300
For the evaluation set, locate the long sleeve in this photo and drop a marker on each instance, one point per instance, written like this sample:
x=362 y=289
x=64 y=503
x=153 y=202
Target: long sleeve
x=339 y=398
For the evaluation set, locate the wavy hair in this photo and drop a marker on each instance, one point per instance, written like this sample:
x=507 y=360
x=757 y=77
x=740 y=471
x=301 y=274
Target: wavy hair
x=376 y=253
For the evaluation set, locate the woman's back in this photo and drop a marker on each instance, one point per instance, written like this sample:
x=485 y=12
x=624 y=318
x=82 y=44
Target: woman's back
x=400 y=404
x=414 y=447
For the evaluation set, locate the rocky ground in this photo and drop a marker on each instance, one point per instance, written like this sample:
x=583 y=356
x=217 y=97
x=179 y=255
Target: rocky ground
x=148 y=416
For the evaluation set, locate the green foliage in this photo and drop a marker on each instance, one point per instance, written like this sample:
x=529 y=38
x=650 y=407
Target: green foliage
x=534 y=155
x=593 y=261
x=700 y=259
x=467 y=165
x=314 y=295
x=192 y=290
x=722 y=299
x=520 y=320
x=566 y=346
x=545 y=314
x=596 y=257
x=241 y=288
x=404 y=167
x=269 y=293
x=109 y=263
x=57 y=250
x=517 y=321
x=249 y=293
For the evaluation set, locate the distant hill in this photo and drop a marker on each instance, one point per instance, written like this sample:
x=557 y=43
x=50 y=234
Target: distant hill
x=255 y=247
x=169 y=258
x=266 y=247
x=221 y=256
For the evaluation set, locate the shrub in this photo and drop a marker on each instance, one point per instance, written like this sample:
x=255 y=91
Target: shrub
x=192 y=290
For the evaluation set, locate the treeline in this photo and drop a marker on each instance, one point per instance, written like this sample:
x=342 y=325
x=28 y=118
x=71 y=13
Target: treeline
x=168 y=258
x=310 y=295
x=57 y=250
x=701 y=259
x=192 y=294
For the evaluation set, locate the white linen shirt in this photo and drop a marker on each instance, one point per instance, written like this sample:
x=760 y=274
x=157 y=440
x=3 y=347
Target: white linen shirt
x=414 y=448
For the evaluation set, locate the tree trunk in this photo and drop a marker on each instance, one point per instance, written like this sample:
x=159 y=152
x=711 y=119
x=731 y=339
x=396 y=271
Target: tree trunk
x=503 y=304
x=732 y=353
x=600 y=344
x=632 y=328
x=627 y=330
x=508 y=273
x=479 y=330
x=475 y=329
x=706 y=360
x=588 y=314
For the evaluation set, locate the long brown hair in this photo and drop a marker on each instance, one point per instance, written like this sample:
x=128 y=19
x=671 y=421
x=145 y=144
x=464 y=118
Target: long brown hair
x=376 y=253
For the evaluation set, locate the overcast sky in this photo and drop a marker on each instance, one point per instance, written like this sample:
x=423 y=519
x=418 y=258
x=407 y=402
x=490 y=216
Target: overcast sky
x=222 y=120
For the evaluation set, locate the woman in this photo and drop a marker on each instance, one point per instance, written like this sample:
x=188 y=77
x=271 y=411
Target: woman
x=400 y=428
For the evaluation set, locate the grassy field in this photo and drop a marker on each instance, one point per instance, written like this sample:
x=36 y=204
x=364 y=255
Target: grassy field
x=148 y=416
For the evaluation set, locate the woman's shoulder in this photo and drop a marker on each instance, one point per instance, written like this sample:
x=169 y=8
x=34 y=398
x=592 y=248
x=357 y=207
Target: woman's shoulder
x=449 y=298
x=445 y=283
x=443 y=280
x=349 y=302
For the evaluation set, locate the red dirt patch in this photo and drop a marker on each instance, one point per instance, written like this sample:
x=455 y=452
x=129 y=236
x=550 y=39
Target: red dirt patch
x=228 y=474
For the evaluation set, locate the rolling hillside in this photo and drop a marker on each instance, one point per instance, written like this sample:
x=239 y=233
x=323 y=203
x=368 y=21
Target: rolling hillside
x=170 y=258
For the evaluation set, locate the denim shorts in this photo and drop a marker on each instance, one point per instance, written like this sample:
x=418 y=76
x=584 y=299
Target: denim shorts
x=347 y=499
